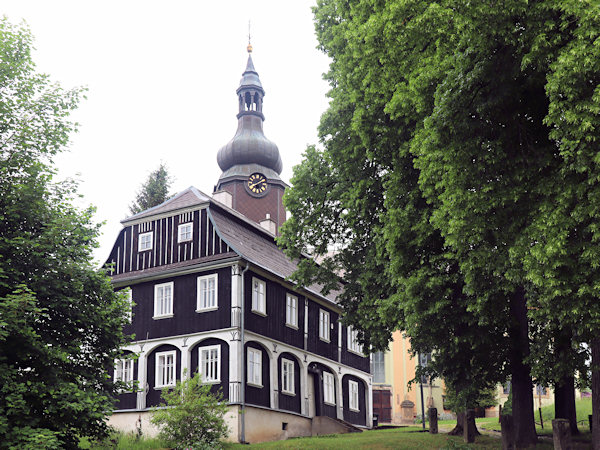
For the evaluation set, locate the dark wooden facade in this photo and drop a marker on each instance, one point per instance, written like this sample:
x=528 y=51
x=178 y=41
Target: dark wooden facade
x=223 y=386
x=185 y=319
x=125 y=256
x=259 y=395
x=213 y=251
x=153 y=396
x=357 y=417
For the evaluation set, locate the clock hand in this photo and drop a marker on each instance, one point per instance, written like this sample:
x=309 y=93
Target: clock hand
x=252 y=185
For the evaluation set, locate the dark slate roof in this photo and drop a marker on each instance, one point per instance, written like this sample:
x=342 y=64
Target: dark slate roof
x=136 y=274
x=258 y=247
x=185 y=199
x=250 y=76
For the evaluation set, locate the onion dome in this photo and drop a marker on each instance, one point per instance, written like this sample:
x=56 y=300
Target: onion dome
x=250 y=145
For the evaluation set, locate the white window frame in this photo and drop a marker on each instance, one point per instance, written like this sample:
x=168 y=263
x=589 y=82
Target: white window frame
x=353 y=403
x=291 y=311
x=324 y=325
x=129 y=312
x=182 y=230
x=328 y=388
x=259 y=300
x=287 y=377
x=378 y=367
x=160 y=310
x=165 y=375
x=143 y=244
x=124 y=371
x=214 y=363
x=203 y=303
x=254 y=367
x=353 y=344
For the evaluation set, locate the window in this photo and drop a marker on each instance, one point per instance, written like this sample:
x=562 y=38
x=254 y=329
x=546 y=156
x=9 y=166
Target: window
x=184 y=232
x=291 y=310
x=254 y=367
x=353 y=344
x=287 y=376
x=378 y=367
x=540 y=390
x=210 y=364
x=324 y=325
x=207 y=293
x=129 y=311
x=124 y=370
x=258 y=296
x=145 y=242
x=328 y=388
x=353 y=395
x=424 y=361
x=163 y=300
x=165 y=369
x=506 y=388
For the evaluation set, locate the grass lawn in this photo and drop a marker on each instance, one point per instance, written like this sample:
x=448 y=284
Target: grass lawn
x=392 y=438
x=396 y=438
x=583 y=406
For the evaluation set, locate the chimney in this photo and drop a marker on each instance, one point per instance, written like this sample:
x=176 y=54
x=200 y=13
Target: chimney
x=223 y=197
x=269 y=225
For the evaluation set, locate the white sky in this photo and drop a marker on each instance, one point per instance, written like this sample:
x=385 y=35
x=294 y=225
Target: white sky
x=162 y=77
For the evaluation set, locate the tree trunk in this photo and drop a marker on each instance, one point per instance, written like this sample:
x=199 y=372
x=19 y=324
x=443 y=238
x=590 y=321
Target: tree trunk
x=459 y=429
x=561 y=434
x=596 y=394
x=564 y=390
x=522 y=386
x=460 y=422
x=470 y=428
x=564 y=402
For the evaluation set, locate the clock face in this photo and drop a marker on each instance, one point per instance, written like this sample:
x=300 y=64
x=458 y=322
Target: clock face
x=257 y=183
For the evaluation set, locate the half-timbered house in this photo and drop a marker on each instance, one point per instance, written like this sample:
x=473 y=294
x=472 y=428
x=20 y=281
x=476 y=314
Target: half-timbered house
x=209 y=293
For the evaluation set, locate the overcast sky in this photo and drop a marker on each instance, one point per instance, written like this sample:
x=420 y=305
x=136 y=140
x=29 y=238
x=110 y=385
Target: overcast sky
x=161 y=79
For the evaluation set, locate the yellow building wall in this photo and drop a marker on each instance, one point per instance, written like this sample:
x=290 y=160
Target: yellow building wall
x=400 y=368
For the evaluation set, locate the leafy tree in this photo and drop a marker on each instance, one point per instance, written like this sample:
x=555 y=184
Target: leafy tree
x=154 y=191
x=452 y=132
x=563 y=260
x=193 y=417
x=361 y=195
x=60 y=320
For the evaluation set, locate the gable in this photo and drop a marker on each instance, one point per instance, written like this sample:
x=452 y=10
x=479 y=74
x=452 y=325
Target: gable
x=167 y=249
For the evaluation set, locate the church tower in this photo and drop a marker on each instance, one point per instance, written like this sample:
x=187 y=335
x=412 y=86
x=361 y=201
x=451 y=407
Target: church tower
x=250 y=162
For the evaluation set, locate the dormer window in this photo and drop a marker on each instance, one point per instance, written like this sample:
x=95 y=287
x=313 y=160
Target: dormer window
x=145 y=242
x=184 y=232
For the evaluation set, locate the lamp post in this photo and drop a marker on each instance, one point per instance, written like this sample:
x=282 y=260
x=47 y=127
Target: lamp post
x=421 y=384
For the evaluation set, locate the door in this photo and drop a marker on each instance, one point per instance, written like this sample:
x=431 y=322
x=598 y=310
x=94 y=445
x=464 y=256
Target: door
x=310 y=393
x=382 y=405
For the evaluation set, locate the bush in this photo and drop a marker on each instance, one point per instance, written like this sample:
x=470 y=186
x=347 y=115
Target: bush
x=193 y=417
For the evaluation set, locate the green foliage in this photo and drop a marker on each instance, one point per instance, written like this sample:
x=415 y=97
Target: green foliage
x=154 y=191
x=191 y=417
x=60 y=320
x=458 y=182
x=460 y=401
x=125 y=441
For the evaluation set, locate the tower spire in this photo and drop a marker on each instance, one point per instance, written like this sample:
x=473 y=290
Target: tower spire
x=249 y=48
x=250 y=162
x=249 y=145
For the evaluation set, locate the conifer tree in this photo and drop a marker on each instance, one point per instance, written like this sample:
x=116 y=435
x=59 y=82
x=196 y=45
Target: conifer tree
x=154 y=191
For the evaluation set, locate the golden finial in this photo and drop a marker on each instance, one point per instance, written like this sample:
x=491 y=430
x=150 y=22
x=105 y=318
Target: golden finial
x=249 y=48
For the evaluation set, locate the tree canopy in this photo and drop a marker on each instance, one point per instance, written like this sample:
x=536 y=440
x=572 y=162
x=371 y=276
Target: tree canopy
x=154 y=191
x=452 y=131
x=60 y=320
